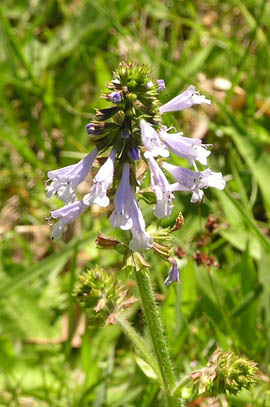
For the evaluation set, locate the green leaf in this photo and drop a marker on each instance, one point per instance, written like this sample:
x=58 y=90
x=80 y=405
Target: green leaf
x=146 y=368
x=49 y=264
x=254 y=155
x=238 y=214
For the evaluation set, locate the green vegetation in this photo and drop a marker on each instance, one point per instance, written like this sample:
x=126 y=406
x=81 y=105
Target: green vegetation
x=55 y=58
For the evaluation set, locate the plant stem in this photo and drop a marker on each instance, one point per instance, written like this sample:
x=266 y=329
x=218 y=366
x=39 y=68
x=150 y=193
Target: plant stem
x=139 y=344
x=153 y=320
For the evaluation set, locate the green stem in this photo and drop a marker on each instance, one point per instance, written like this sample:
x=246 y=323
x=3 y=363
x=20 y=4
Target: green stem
x=153 y=320
x=139 y=344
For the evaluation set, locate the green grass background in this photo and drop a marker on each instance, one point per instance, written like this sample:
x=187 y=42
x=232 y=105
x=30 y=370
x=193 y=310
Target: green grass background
x=55 y=58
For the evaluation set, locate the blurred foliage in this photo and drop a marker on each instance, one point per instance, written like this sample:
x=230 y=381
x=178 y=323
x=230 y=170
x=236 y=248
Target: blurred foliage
x=55 y=58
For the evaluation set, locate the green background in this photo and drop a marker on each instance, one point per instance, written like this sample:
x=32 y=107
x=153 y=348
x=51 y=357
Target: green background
x=55 y=58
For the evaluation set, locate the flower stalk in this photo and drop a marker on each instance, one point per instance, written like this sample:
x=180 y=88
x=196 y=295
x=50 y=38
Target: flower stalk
x=156 y=329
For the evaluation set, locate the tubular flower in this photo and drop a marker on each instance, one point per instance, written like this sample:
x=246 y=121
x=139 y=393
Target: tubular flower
x=173 y=275
x=65 y=180
x=194 y=181
x=66 y=214
x=141 y=240
x=185 y=100
x=134 y=154
x=161 y=85
x=152 y=141
x=121 y=217
x=190 y=148
x=162 y=190
x=115 y=97
x=127 y=214
x=131 y=130
x=102 y=181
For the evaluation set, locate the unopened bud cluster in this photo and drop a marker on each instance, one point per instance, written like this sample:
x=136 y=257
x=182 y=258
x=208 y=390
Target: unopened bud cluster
x=101 y=295
x=226 y=372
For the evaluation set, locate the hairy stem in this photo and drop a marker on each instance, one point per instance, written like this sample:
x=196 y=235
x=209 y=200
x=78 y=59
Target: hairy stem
x=139 y=344
x=154 y=323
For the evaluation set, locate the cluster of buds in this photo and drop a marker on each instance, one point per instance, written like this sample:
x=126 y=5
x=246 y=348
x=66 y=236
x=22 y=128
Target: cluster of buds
x=200 y=257
x=211 y=224
x=128 y=133
x=204 y=259
x=211 y=227
x=226 y=372
x=102 y=296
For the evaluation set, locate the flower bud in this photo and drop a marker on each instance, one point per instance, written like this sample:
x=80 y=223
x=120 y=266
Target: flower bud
x=115 y=97
x=94 y=129
x=178 y=223
x=226 y=372
x=105 y=114
x=106 y=242
x=134 y=154
x=161 y=85
x=132 y=97
x=101 y=295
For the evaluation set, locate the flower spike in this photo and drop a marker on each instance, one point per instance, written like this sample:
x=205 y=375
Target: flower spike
x=132 y=130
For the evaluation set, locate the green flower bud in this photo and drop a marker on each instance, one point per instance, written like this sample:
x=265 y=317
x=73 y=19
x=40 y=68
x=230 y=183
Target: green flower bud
x=132 y=97
x=226 y=372
x=101 y=295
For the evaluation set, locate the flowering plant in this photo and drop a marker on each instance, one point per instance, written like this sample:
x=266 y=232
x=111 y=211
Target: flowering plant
x=132 y=131
x=132 y=137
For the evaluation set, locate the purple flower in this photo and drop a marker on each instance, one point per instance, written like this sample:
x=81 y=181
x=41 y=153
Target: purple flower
x=64 y=181
x=101 y=183
x=134 y=154
x=120 y=218
x=115 y=97
x=125 y=133
x=149 y=85
x=150 y=139
x=173 y=273
x=190 y=148
x=161 y=84
x=194 y=181
x=162 y=190
x=127 y=214
x=66 y=214
x=141 y=240
x=92 y=129
x=185 y=100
